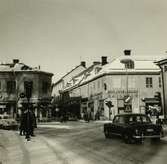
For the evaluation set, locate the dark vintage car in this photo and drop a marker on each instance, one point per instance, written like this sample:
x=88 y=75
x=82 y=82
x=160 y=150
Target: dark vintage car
x=133 y=128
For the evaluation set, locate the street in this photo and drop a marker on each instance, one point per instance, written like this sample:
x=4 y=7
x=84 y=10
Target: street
x=76 y=143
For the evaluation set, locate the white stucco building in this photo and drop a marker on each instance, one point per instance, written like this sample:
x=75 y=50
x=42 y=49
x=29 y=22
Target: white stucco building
x=129 y=82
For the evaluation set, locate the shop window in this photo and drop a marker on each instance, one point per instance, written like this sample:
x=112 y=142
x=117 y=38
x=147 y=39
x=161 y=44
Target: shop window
x=11 y=86
x=149 y=82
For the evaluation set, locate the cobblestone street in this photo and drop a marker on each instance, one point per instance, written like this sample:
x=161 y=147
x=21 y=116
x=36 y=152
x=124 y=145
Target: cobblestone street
x=76 y=143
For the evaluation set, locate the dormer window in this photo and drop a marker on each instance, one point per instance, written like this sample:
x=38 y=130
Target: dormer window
x=129 y=65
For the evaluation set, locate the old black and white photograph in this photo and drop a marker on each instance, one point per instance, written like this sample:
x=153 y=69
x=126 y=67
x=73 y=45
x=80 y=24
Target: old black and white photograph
x=83 y=81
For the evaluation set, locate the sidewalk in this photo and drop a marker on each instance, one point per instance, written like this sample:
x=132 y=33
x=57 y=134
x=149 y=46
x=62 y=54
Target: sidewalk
x=15 y=149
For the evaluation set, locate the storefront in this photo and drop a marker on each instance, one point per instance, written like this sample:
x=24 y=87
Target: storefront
x=8 y=108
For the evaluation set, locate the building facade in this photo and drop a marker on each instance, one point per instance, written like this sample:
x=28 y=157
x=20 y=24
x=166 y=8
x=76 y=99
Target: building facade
x=129 y=82
x=64 y=81
x=163 y=67
x=13 y=79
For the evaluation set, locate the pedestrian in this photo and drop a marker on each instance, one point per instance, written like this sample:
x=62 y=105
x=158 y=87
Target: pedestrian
x=28 y=123
x=34 y=123
x=97 y=115
x=86 y=116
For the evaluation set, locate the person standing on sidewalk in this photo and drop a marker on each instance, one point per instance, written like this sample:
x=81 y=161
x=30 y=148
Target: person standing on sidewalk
x=27 y=123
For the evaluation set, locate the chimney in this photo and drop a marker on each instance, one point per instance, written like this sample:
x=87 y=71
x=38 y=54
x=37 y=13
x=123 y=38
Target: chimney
x=83 y=63
x=104 y=60
x=15 y=61
x=127 y=52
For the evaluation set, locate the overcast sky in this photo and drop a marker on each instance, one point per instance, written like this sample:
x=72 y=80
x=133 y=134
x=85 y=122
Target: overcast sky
x=58 y=34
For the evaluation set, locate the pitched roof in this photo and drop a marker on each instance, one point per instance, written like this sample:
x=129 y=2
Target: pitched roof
x=19 y=67
x=142 y=64
x=68 y=73
x=83 y=76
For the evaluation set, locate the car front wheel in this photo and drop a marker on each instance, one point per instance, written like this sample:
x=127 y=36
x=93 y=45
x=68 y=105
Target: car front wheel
x=106 y=133
x=155 y=139
x=128 y=139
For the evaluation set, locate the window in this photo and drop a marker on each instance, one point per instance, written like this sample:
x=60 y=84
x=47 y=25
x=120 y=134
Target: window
x=139 y=119
x=165 y=68
x=121 y=120
x=129 y=65
x=116 y=119
x=149 y=82
x=11 y=86
x=105 y=86
x=28 y=86
x=45 y=86
x=94 y=85
x=98 y=83
x=160 y=82
x=0 y=85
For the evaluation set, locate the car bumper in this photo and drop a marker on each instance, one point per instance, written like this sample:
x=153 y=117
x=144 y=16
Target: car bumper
x=143 y=136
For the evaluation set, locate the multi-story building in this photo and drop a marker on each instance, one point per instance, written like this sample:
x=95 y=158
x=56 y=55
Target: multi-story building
x=163 y=66
x=13 y=79
x=129 y=82
x=64 y=81
x=72 y=94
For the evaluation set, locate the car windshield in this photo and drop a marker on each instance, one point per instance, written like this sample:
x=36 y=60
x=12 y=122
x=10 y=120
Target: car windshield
x=139 y=119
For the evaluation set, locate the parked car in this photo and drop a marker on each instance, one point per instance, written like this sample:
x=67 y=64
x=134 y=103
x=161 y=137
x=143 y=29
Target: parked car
x=133 y=128
x=6 y=122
